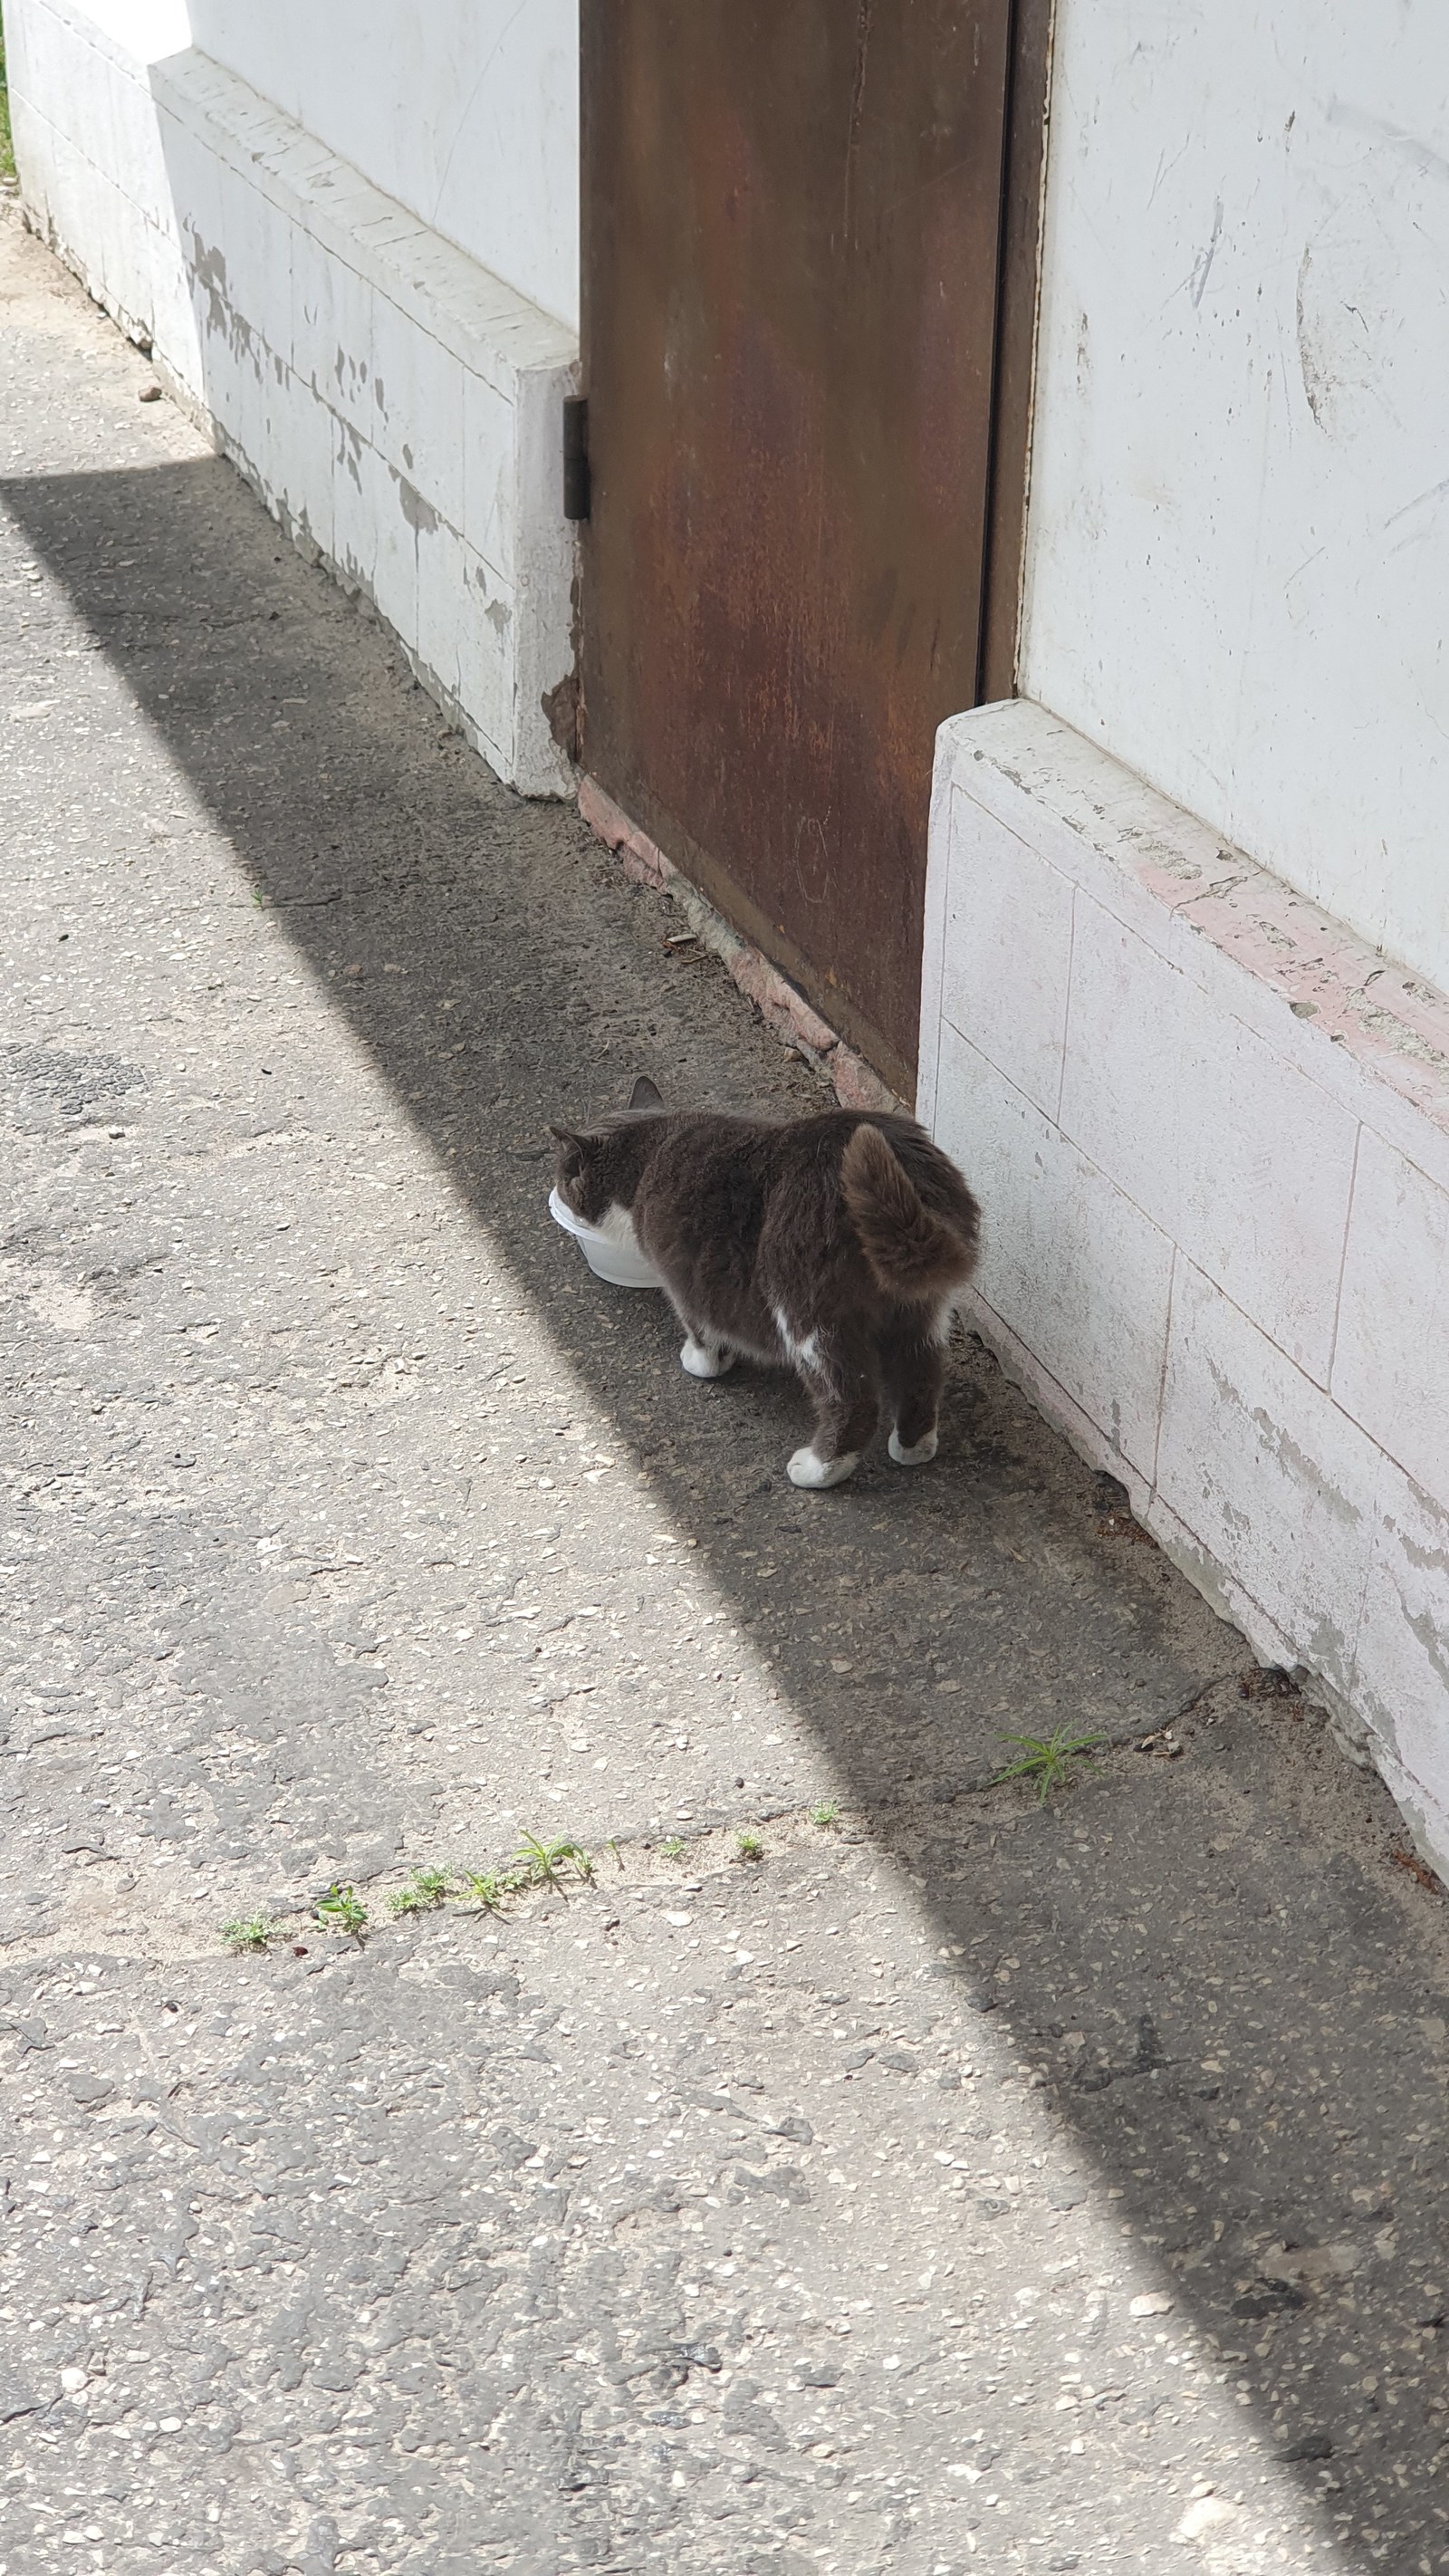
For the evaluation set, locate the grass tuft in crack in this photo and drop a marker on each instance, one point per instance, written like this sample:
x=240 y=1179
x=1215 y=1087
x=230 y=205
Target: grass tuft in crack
x=827 y=1813
x=341 y=1910
x=748 y=1846
x=487 y=1888
x=425 y=1889
x=250 y=1932
x=673 y=1849
x=540 y=1862
x=1045 y=1759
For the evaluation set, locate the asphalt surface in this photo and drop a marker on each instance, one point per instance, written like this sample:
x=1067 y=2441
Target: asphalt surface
x=963 y=2180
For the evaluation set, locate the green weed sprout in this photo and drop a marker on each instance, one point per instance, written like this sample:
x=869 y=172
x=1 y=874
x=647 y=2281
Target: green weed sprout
x=341 y=1910
x=487 y=1888
x=425 y=1889
x=540 y=1862
x=1046 y=1759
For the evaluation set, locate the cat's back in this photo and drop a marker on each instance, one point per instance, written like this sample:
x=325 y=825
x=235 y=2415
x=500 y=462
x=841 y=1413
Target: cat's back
x=701 y=1149
x=695 y=1145
x=707 y=1173
x=718 y=1182
x=814 y=1148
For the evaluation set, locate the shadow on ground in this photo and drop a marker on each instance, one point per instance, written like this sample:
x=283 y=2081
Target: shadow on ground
x=1208 y=1962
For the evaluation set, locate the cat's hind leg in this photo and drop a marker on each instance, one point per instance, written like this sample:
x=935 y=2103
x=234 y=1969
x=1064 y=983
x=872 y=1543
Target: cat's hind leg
x=840 y=1375
x=913 y=1364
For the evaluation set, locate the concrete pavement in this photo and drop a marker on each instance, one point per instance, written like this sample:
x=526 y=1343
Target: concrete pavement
x=963 y=2181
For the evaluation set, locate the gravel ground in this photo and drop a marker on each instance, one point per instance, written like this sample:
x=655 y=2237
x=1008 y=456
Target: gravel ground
x=962 y=2179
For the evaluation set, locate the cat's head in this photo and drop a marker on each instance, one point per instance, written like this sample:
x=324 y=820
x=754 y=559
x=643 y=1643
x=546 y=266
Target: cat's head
x=597 y=1168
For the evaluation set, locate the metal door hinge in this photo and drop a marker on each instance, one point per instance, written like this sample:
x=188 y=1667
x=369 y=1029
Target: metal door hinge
x=576 y=487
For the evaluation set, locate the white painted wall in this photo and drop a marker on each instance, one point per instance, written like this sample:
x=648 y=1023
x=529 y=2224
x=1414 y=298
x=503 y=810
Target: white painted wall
x=147 y=29
x=466 y=111
x=1239 y=528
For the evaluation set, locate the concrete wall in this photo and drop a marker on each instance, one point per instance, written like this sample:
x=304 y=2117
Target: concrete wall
x=1186 y=982
x=1211 y=1136
x=1240 y=493
x=395 y=401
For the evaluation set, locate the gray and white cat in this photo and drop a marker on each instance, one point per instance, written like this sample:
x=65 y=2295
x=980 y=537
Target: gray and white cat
x=833 y=1245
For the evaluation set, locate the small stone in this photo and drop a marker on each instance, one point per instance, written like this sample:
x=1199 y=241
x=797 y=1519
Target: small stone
x=1309 y=2446
x=88 y=2089
x=1150 y=2303
x=149 y=393
x=1268 y=2298
x=1204 y=2516
x=16 y=2398
x=72 y=2379
x=1312 y=2262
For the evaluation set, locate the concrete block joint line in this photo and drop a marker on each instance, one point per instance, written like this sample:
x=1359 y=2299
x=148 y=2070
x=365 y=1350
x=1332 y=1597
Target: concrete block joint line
x=867 y=2165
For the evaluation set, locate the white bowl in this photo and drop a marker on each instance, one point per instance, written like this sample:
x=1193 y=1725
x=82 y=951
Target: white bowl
x=622 y=1264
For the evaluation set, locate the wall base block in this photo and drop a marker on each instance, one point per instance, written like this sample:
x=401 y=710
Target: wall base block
x=1210 y=1131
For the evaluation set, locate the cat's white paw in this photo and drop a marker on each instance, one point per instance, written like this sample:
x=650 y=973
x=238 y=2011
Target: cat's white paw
x=815 y=1473
x=917 y=1457
x=703 y=1362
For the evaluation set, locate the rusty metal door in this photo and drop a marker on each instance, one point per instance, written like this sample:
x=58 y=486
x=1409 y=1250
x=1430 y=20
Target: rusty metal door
x=792 y=230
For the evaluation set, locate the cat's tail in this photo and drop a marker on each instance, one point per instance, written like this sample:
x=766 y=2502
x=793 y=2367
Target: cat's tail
x=918 y=1253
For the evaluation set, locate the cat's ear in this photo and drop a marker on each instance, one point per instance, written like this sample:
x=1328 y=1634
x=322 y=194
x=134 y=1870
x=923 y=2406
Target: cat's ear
x=570 y=1150
x=645 y=1094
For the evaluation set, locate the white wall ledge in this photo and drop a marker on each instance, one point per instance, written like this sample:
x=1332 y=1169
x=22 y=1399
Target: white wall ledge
x=1211 y=1131
x=481 y=320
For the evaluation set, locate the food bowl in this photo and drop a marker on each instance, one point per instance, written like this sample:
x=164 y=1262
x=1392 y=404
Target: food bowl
x=622 y=1264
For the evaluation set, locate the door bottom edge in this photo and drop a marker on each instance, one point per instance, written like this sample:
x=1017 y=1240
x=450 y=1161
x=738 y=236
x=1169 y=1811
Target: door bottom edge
x=857 y=1081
